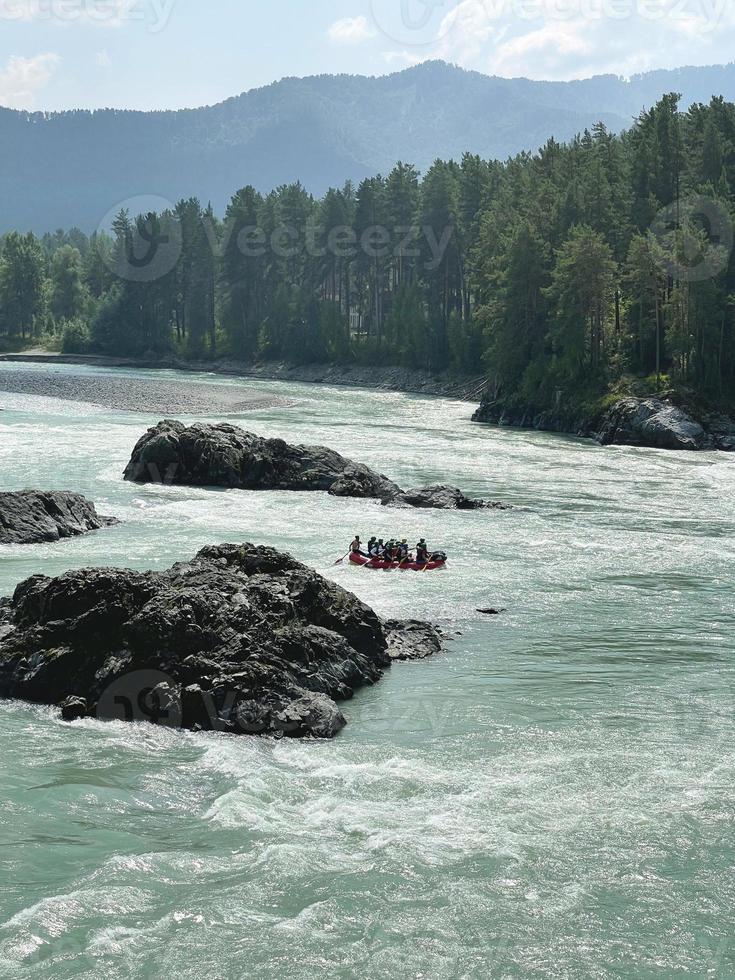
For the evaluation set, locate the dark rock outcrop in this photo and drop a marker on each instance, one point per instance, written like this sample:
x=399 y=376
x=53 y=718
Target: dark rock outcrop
x=227 y=456
x=530 y=417
x=34 y=516
x=658 y=423
x=242 y=639
x=440 y=497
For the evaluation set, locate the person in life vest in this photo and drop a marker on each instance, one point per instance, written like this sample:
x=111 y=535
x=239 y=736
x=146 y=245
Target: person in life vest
x=403 y=552
x=422 y=552
x=377 y=549
x=371 y=544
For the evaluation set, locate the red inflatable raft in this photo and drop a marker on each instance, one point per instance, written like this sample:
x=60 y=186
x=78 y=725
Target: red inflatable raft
x=406 y=566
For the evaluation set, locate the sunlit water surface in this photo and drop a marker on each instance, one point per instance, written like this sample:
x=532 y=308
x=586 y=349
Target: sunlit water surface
x=551 y=797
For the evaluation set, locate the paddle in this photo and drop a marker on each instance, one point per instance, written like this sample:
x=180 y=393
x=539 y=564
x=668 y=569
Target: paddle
x=340 y=560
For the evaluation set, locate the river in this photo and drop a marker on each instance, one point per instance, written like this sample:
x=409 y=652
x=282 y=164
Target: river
x=553 y=796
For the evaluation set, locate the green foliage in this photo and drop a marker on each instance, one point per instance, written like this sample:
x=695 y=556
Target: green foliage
x=75 y=337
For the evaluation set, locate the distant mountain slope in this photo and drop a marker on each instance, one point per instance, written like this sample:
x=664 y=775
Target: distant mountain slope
x=62 y=169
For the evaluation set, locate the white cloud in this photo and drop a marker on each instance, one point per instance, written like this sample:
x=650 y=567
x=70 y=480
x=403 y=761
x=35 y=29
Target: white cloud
x=562 y=39
x=23 y=78
x=403 y=58
x=351 y=30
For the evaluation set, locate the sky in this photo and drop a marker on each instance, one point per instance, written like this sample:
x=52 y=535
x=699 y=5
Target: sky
x=157 y=54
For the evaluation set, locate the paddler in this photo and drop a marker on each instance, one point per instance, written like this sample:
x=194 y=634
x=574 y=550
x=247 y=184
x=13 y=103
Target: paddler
x=356 y=547
x=422 y=552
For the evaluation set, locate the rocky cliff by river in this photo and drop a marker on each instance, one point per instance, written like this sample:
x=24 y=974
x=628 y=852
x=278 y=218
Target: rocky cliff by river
x=241 y=640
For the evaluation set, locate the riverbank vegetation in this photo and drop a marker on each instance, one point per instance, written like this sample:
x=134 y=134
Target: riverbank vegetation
x=562 y=274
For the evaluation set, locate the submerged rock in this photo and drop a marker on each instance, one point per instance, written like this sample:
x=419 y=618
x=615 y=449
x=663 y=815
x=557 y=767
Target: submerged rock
x=412 y=639
x=242 y=639
x=227 y=456
x=35 y=516
x=440 y=497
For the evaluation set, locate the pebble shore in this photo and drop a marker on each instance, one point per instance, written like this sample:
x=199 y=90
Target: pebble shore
x=126 y=394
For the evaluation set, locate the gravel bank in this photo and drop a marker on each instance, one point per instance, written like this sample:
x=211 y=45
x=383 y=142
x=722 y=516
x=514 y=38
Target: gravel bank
x=126 y=394
x=412 y=380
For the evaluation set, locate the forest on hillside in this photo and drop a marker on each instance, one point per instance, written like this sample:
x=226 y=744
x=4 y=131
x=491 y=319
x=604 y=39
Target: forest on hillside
x=572 y=270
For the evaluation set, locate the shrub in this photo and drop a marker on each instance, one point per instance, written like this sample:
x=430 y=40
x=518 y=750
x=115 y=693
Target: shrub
x=75 y=337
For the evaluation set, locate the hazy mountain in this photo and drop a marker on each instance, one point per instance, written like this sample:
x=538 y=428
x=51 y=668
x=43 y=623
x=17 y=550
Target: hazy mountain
x=71 y=168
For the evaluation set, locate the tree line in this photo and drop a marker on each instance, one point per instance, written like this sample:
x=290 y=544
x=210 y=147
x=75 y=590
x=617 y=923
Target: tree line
x=564 y=271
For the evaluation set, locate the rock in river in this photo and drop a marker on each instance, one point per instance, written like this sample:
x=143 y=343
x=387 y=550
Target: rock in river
x=227 y=456
x=441 y=497
x=34 y=516
x=242 y=640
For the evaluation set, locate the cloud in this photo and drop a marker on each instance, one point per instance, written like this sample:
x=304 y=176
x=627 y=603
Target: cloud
x=23 y=78
x=351 y=30
x=563 y=39
x=403 y=58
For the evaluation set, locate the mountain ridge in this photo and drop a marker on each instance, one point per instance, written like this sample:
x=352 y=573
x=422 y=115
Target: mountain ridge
x=321 y=130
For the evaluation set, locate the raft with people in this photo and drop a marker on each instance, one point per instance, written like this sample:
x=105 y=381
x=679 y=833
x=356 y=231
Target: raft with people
x=392 y=554
x=405 y=566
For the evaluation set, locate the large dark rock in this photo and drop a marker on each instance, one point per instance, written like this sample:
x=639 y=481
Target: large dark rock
x=242 y=639
x=34 y=516
x=227 y=456
x=658 y=423
x=440 y=497
x=650 y=422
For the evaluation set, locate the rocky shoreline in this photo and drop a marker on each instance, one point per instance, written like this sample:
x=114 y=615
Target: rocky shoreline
x=657 y=423
x=240 y=640
x=35 y=516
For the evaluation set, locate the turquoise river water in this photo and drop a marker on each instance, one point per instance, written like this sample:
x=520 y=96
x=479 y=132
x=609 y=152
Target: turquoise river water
x=553 y=796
